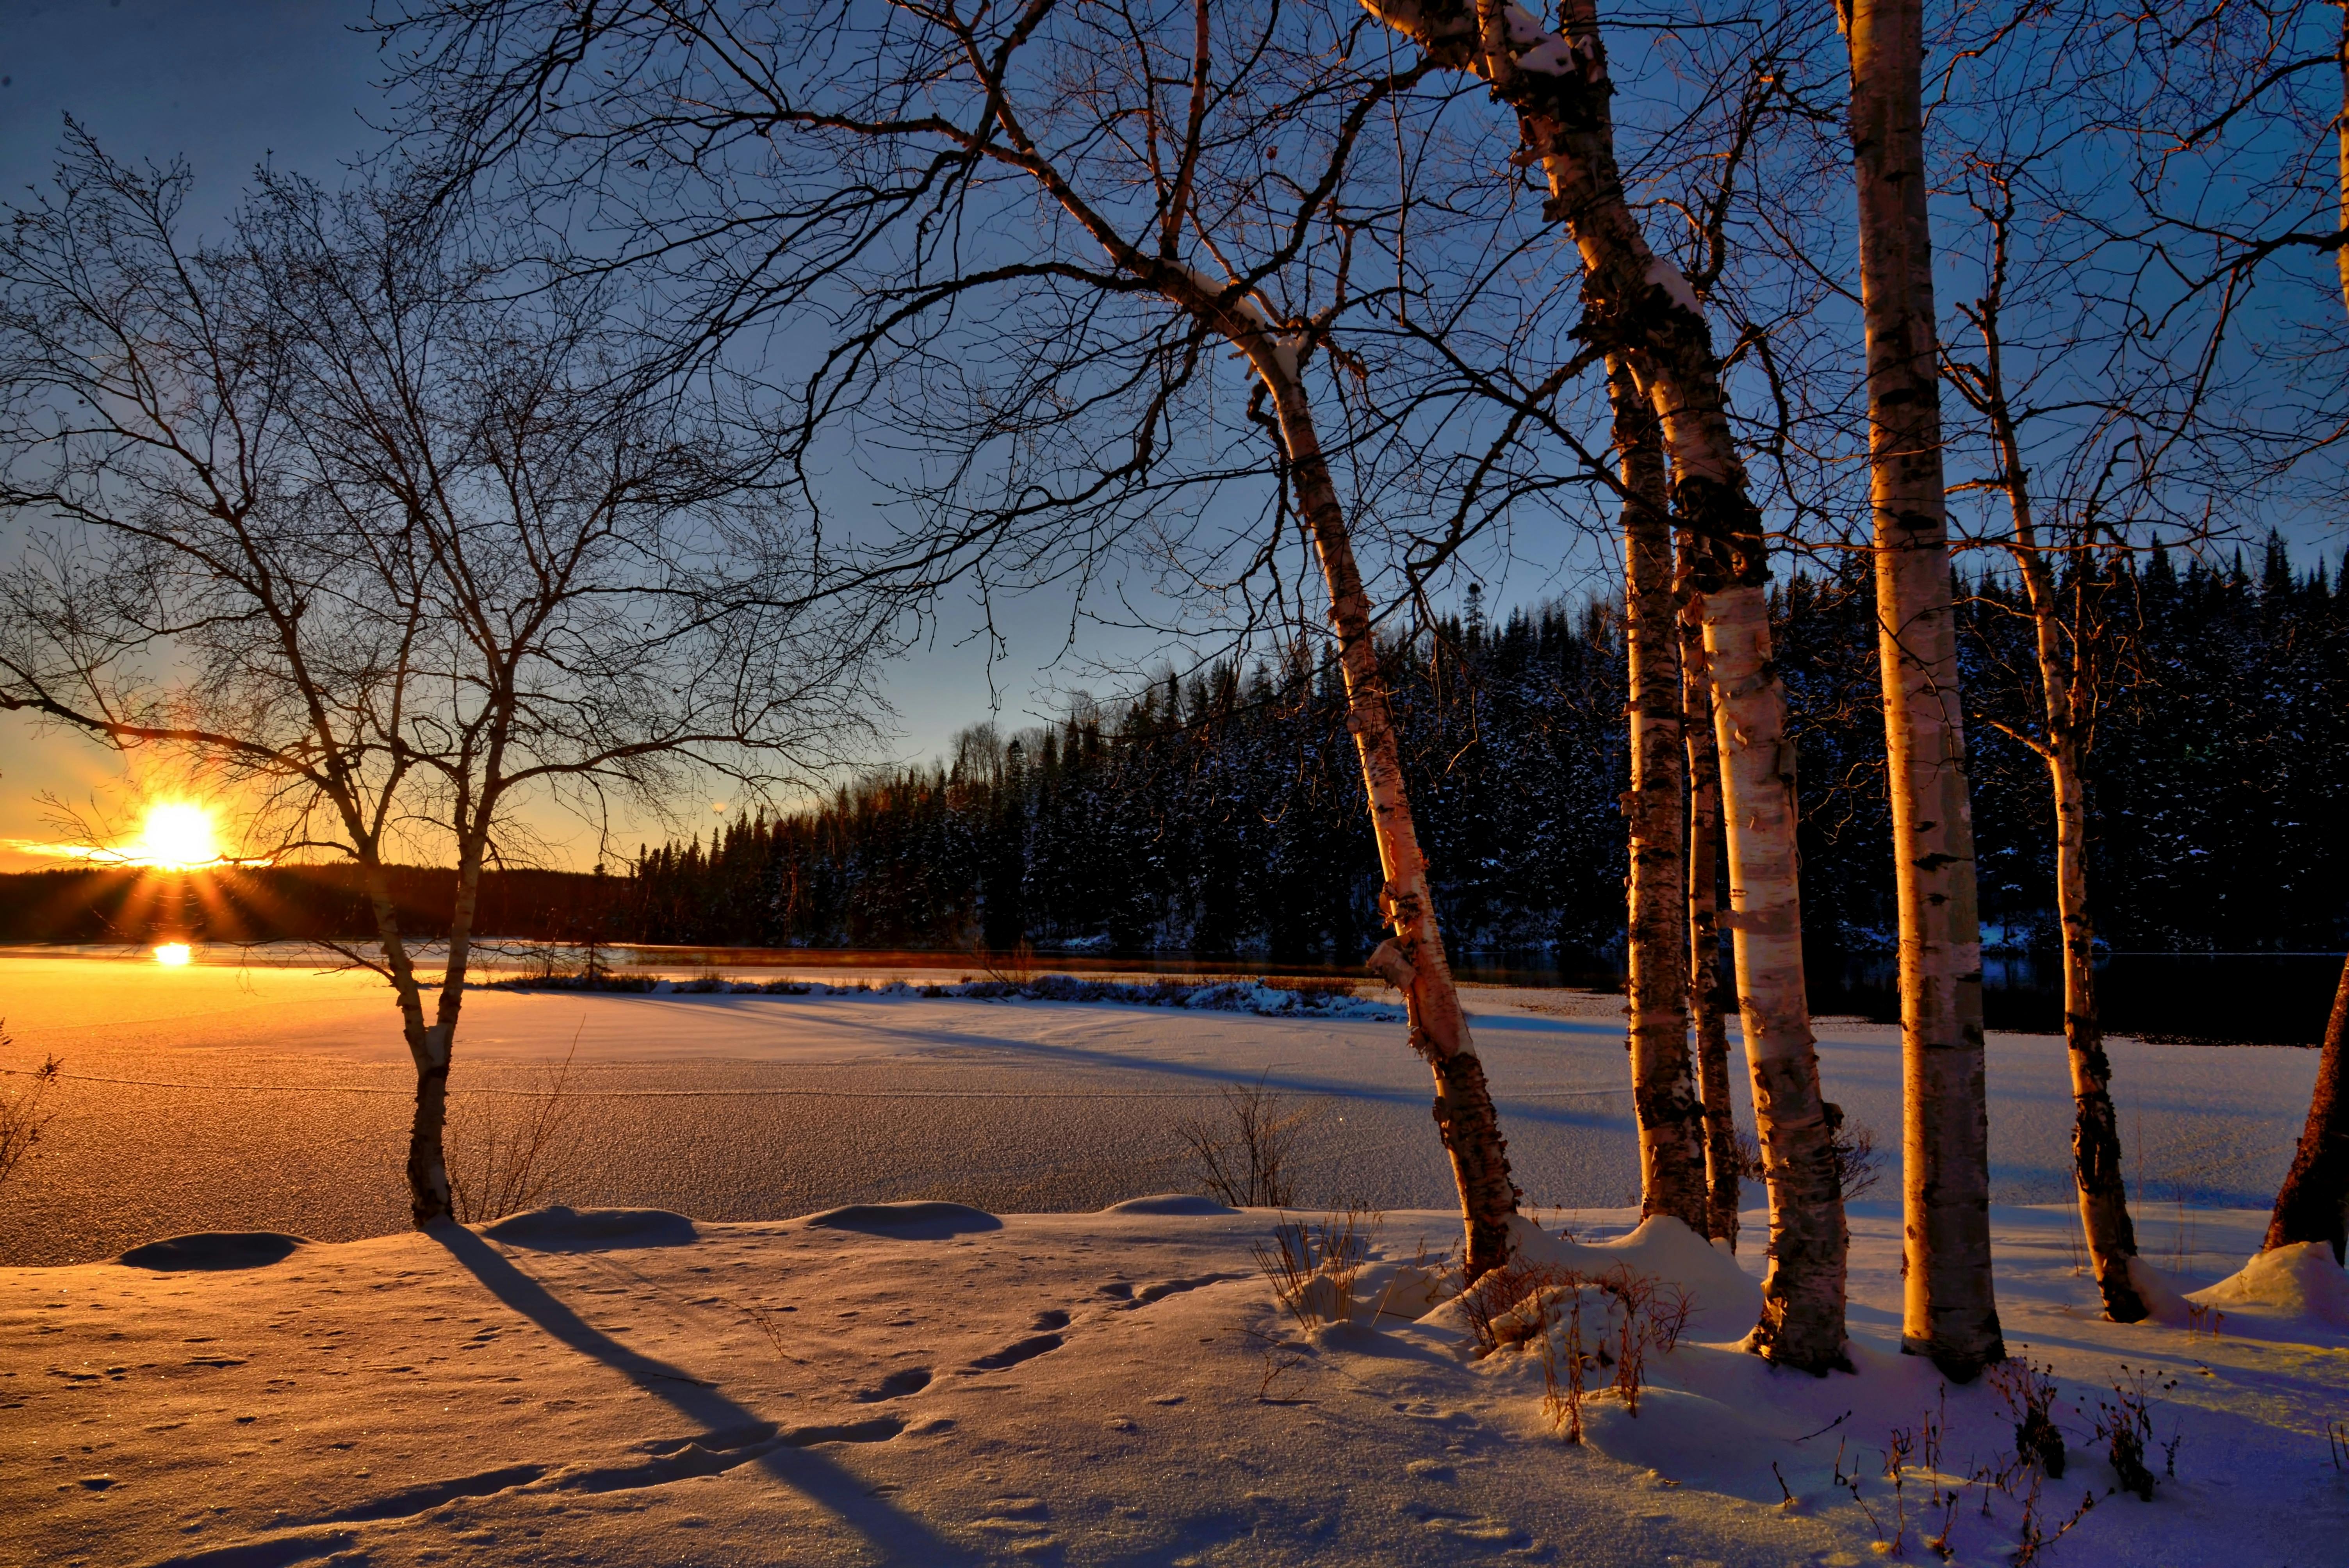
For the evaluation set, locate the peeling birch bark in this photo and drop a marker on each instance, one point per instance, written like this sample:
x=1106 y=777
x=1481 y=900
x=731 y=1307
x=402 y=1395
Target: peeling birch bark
x=1412 y=959
x=1703 y=919
x=1950 y=1309
x=1663 y=1089
x=1641 y=305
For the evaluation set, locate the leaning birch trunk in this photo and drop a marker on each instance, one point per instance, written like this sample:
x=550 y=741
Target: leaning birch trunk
x=2067 y=708
x=1412 y=960
x=1704 y=919
x=2313 y=1204
x=1663 y=1090
x=2095 y=1127
x=1950 y=1309
x=1641 y=305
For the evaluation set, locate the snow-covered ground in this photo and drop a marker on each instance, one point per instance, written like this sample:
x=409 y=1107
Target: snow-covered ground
x=927 y=1383
x=933 y=1385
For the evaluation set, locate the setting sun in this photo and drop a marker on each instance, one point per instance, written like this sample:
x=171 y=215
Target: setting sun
x=171 y=955
x=177 y=836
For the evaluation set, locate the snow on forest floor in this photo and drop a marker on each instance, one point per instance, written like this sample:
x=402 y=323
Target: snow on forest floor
x=931 y=1383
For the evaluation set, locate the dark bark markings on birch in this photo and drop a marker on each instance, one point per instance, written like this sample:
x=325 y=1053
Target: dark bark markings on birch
x=1711 y=1024
x=1641 y=305
x=1670 y=1118
x=1950 y=1309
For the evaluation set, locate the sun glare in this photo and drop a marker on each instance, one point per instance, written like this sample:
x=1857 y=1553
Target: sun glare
x=171 y=954
x=178 y=837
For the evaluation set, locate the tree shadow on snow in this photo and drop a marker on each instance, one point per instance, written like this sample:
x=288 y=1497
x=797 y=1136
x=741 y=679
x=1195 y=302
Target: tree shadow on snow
x=899 y=1536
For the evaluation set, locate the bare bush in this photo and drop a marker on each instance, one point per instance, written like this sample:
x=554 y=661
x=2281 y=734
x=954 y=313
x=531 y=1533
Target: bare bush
x=1243 y=1159
x=1540 y=1307
x=2125 y=1426
x=2028 y=1392
x=25 y=1113
x=509 y=1164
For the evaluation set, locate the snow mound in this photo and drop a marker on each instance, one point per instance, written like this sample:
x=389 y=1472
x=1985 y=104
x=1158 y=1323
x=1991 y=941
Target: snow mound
x=2298 y=1283
x=558 y=1229
x=1169 y=1203
x=1724 y=1301
x=215 y=1252
x=920 y=1221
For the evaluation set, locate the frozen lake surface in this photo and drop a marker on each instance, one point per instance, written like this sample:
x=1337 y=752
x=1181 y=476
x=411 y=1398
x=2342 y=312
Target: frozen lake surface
x=222 y=1098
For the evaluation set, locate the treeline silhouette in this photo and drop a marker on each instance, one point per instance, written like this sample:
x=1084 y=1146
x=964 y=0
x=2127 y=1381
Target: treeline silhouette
x=1221 y=817
x=107 y=905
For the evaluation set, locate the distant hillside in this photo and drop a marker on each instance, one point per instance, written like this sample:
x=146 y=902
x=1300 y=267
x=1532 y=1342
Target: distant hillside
x=280 y=902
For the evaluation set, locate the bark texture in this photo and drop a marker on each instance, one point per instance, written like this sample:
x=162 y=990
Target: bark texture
x=1950 y=1309
x=1412 y=959
x=1704 y=922
x=2313 y=1205
x=1640 y=306
x=1671 y=1118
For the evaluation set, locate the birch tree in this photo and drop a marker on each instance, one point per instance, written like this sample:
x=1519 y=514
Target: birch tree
x=1123 y=171
x=1641 y=305
x=1670 y=1118
x=386 y=557
x=1948 y=1308
x=1722 y=1163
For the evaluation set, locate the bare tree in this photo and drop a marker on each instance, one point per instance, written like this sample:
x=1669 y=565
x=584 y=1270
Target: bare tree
x=1639 y=305
x=1950 y=1309
x=1154 y=188
x=390 y=554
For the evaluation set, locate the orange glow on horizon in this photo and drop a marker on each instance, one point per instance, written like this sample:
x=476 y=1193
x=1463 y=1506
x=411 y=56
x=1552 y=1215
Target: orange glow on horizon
x=171 y=955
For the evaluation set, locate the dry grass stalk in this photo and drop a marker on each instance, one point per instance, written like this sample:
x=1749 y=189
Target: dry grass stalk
x=1540 y=1306
x=513 y=1167
x=1312 y=1265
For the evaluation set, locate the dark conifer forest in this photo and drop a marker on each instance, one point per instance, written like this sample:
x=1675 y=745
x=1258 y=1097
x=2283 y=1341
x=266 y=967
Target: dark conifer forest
x=1204 y=819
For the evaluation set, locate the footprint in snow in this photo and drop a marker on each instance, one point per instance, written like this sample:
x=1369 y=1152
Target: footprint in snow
x=896 y=1386
x=1013 y=1355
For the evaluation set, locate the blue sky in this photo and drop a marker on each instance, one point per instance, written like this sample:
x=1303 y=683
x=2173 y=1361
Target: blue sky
x=228 y=83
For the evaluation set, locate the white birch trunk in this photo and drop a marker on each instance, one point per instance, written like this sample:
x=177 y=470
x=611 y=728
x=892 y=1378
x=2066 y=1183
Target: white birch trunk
x=1641 y=305
x=1950 y=1309
x=1670 y=1117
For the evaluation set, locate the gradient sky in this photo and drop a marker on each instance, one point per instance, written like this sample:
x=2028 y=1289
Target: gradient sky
x=226 y=84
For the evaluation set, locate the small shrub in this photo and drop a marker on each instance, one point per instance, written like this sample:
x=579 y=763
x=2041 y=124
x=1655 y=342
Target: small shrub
x=2028 y=1393
x=1857 y=1164
x=2125 y=1426
x=1542 y=1307
x=1243 y=1159
x=25 y=1113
